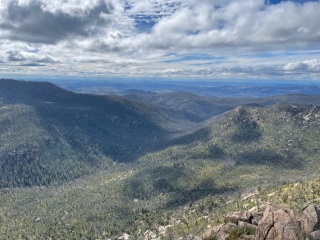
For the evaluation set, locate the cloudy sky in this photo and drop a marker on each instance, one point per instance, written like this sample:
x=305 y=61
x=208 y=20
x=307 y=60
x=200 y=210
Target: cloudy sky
x=198 y=39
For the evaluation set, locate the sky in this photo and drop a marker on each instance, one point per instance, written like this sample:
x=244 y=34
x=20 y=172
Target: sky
x=171 y=39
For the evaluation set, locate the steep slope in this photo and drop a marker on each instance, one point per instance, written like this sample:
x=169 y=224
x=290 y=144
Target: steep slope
x=49 y=134
x=203 y=107
x=284 y=135
x=189 y=185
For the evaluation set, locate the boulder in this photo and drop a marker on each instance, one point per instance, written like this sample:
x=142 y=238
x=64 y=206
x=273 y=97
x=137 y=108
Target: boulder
x=191 y=237
x=162 y=230
x=245 y=224
x=124 y=237
x=220 y=232
x=310 y=219
x=256 y=218
x=277 y=224
x=234 y=217
x=148 y=235
x=314 y=235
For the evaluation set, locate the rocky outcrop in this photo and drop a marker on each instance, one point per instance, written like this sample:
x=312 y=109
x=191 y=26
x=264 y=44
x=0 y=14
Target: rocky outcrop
x=256 y=218
x=234 y=217
x=310 y=219
x=163 y=229
x=125 y=236
x=223 y=231
x=148 y=235
x=246 y=225
x=277 y=224
x=191 y=237
x=220 y=232
x=314 y=236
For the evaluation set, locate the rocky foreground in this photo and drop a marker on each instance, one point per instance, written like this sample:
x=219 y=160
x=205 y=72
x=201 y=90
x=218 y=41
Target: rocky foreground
x=274 y=223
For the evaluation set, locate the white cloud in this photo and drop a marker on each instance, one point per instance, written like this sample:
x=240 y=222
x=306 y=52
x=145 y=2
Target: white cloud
x=246 y=25
x=32 y=57
x=160 y=37
x=308 y=65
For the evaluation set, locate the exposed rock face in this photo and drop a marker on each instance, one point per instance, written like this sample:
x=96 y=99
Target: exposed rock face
x=310 y=219
x=277 y=224
x=245 y=224
x=124 y=237
x=148 y=235
x=256 y=218
x=234 y=217
x=220 y=232
x=162 y=230
x=191 y=237
x=314 y=235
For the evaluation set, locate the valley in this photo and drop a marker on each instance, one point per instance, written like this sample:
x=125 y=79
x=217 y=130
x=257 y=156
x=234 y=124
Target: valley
x=159 y=120
x=95 y=167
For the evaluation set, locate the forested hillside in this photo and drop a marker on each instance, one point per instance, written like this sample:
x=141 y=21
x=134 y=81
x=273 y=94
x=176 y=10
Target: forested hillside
x=283 y=134
x=135 y=166
x=50 y=135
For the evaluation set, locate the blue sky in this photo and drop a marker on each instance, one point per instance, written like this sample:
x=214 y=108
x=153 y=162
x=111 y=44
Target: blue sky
x=182 y=39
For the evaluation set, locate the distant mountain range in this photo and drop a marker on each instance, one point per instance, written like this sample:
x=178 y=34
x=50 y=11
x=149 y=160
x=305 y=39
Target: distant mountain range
x=206 y=106
x=50 y=134
x=222 y=89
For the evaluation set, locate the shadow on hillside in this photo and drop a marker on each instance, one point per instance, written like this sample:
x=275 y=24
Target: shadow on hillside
x=153 y=181
x=174 y=180
x=109 y=126
x=199 y=135
x=205 y=188
x=116 y=127
x=268 y=157
x=247 y=132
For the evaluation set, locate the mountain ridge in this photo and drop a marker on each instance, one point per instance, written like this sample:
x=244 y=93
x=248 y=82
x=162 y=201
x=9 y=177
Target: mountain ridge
x=208 y=106
x=87 y=131
x=97 y=167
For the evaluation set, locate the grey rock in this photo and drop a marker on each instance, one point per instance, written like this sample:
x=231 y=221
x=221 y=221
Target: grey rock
x=278 y=224
x=148 y=235
x=245 y=224
x=234 y=217
x=310 y=219
x=191 y=237
x=221 y=232
x=314 y=235
x=125 y=236
x=256 y=218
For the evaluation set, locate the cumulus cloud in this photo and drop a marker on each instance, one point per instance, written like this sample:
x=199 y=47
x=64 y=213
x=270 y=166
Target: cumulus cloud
x=178 y=38
x=308 y=65
x=30 y=56
x=41 y=21
x=244 y=24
